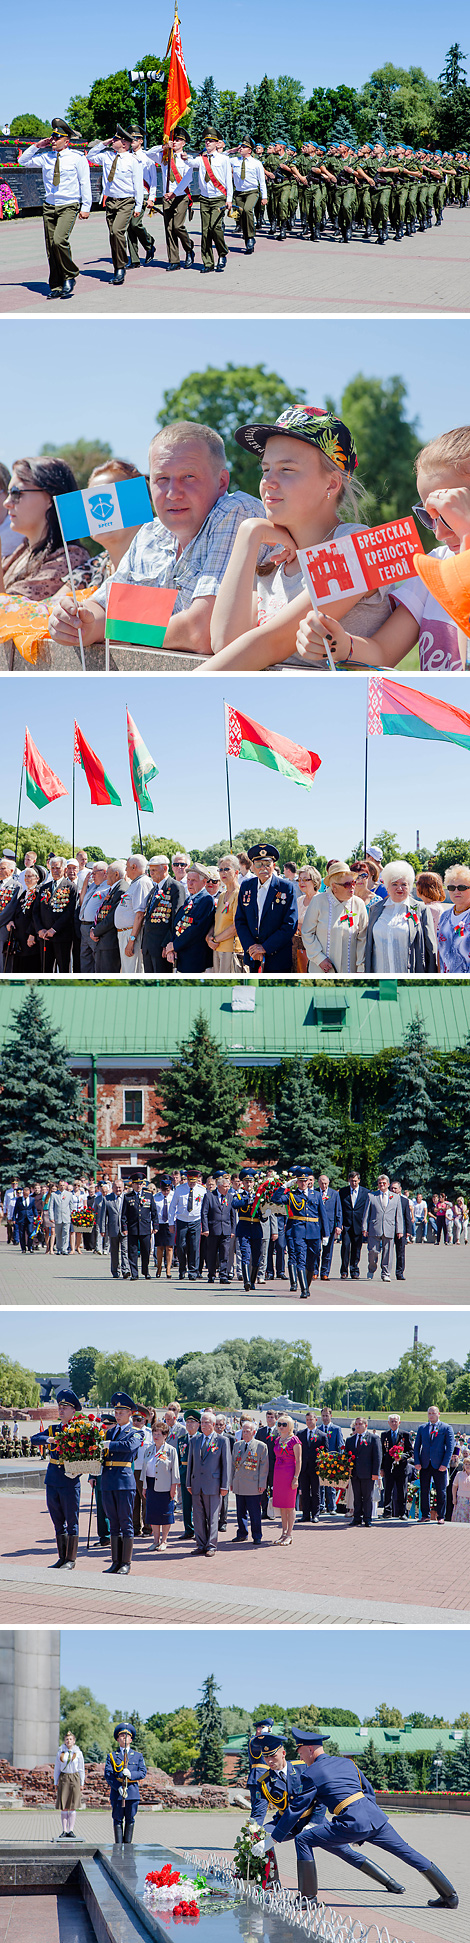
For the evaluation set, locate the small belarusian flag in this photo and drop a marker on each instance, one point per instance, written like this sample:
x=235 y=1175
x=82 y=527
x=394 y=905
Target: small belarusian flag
x=41 y=783
x=101 y=790
x=138 y=615
x=104 y=509
x=396 y=710
x=252 y=743
x=141 y=764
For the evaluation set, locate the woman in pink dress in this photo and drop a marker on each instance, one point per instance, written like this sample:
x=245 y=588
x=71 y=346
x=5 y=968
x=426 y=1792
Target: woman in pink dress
x=287 y=1461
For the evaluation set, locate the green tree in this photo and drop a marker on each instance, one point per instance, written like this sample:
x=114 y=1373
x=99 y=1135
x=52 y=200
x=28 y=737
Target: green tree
x=205 y=113
x=286 y=840
x=416 y=1112
x=264 y=1373
x=387 y=443
x=28 y=127
x=156 y=97
x=265 y=110
x=418 y=1380
x=333 y=1391
x=82 y=1366
x=246 y=115
x=34 y=836
x=342 y=130
x=111 y=100
x=290 y=105
x=228 y=116
x=372 y=1763
x=324 y=108
x=44 y=1118
x=450 y=850
x=82 y=456
x=81 y=116
x=460 y=1395
x=385 y=1716
x=149 y=1381
x=209 y=1763
x=401 y=1772
x=376 y=1393
x=454 y=115
x=460 y=1765
x=454 y=1147
x=303 y=1126
x=87 y=1718
x=18 y=1387
x=225 y=398
x=208 y=1379
x=201 y=1104
x=159 y=847
x=301 y=1374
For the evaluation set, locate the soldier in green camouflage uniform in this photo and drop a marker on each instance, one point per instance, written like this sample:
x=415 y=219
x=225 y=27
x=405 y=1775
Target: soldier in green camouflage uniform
x=278 y=179
x=342 y=200
x=315 y=179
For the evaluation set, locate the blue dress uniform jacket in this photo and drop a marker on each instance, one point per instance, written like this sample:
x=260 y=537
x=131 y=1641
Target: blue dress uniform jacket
x=271 y=1792
x=331 y=1781
x=192 y=924
x=278 y=923
x=117 y=1479
x=124 y=1808
x=62 y=1493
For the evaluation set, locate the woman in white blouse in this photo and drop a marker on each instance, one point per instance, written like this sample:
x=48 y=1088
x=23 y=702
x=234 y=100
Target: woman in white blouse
x=401 y=936
x=334 y=925
x=69 y=1777
x=160 y=1476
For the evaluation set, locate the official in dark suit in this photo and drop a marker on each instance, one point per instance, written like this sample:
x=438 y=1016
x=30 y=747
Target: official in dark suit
x=355 y=1208
x=433 y=1449
x=55 y=918
x=218 y=1224
x=207 y=1482
x=313 y=1441
x=367 y=1453
x=266 y=914
x=103 y=935
x=267 y=1433
x=188 y=949
x=408 y=1230
x=396 y=1470
x=19 y=917
x=139 y=1220
x=335 y=1442
x=333 y=1217
x=164 y=900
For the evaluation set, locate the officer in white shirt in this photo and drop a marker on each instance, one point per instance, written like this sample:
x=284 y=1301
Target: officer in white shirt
x=136 y=232
x=67 y=194
x=123 y=192
x=177 y=171
x=216 y=191
x=249 y=183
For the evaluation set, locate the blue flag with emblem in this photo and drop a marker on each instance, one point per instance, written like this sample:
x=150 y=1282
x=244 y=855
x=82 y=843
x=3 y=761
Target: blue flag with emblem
x=104 y=509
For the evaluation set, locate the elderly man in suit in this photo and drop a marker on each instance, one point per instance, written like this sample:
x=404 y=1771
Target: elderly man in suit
x=61 y=1211
x=367 y=1453
x=266 y=915
x=218 y=1223
x=207 y=1483
x=187 y=949
x=384 y=1221
x=408 y=1232
x=267 y=1434
x=334 y=1222
x=355 y=1206
x=397 y=1456
x=313 y=1442
x=433 y=1449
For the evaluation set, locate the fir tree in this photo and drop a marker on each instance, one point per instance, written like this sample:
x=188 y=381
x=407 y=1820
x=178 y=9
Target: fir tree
x=459 y=1775
x=206 y=112
x=202 y=1105
x=266 y=104
x=246 y=116
x=209 y=1764
x=303 y=1126
x=44 y=1130
x=372 y=1765
x=401 y=1772
x=454 y=1148
x=343 y=131
x=416 y=1112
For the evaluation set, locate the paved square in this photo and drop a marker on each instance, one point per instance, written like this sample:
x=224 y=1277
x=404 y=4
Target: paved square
x=331 y=1575
x=426 y=272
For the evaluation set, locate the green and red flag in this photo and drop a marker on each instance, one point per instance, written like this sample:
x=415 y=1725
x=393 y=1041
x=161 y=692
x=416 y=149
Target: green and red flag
x=138 y=616
x=396 y=710
x=248 y=740
x=141 y=764
x=41 y=783
x=101 y=790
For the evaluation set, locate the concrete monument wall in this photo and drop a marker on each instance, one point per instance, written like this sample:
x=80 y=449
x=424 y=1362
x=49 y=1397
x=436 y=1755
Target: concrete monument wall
x=29 y=1696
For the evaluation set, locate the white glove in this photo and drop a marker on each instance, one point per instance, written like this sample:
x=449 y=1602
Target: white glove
x=127 y=1774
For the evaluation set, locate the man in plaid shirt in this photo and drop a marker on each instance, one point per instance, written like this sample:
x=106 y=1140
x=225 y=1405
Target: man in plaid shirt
x=188 y=544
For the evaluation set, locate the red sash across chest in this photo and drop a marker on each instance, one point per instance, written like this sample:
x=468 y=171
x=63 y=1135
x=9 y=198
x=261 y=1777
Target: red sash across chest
x=210 y=177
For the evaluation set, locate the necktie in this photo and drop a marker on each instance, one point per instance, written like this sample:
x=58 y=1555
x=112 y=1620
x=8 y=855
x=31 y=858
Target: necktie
x=56 y=175
x=243 y=170
x=165 y=1209
x=190 y=1201
x=113 y=168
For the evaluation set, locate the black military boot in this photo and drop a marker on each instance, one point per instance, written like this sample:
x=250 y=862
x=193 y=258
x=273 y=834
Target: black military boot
x=246 y=1278
x=128 y=1832
x=292 y=1277
x=282 y=232
x=447 y=1897
x=307 y=1877
x=303 y=1285
x=126 y=1560
x=61 y=1541
x=72 y=1549
x=117 y=1832
x=115 y=1554
x=378 y=1875
x=119 y=277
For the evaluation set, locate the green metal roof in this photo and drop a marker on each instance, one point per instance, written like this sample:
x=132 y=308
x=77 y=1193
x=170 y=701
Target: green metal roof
x=394 y=1740
x=142 y=1018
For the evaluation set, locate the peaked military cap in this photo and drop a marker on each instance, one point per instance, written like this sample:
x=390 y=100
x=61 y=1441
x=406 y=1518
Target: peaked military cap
x=68 y=1396
x=121 y=1398
x=124 y=1727
x=63 y=128
x=125 y=134
x=306 y=1738
x=260 y=850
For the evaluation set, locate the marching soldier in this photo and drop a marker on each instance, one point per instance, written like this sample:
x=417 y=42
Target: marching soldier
x=123 y=1771
x=123 y=192
x=177 y=172
x=62 y=1493
x=266 y=915
x=103 y=935
x=250 y=189
x=118 y=1483
x=136 y=232
x=67 y=194
x=335 y=1784
x=249 y=1228
x=216 y=192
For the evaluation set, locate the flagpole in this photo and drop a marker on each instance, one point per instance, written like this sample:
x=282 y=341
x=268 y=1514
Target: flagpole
x=139 y=830
x=366 y=766
x=73 y=806
x=227 y=779
x=19 y=808
x=72 y=583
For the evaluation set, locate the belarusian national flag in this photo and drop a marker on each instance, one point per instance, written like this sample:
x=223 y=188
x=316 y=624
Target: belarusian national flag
x=138 y=615
x=395 y=710
x=101 y=790
x=141 y=764
x=252 y=743
x=41 y=783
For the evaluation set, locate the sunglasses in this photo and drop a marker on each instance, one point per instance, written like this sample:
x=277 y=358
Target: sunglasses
x=17 y=492
x=457 y=887
x=426 y=519
x=281 y=1424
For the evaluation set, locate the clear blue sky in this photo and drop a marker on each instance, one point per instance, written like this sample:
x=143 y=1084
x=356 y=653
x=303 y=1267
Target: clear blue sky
x=109 y=382
x=40 y=72
x=411 y=785
x=367 y=1340
x=410 y=1670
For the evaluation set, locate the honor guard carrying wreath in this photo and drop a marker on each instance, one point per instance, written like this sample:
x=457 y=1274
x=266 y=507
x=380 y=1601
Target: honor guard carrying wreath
x=67 y=194
x=125 y=1767
x=123 y=192
x=62 y=1493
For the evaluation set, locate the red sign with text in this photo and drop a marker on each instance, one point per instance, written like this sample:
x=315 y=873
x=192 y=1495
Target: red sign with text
x=358 y=563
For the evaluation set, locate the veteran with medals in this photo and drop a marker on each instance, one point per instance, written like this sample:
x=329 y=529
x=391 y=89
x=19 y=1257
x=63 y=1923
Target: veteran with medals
x=62 y=1493
x=124 y=1768
x=266 y=915
x=67 y=194
x=158 y=915
x=54 y=918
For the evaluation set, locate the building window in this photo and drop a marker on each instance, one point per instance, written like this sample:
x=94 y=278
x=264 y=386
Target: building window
x=133 y=1107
